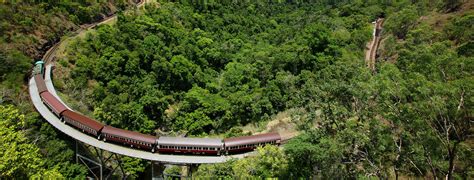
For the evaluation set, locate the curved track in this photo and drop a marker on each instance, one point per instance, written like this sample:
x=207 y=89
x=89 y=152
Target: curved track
x=370 y=56
x=78 y=135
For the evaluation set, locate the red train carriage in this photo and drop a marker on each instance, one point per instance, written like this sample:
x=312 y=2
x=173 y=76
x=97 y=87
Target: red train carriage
x=249 y=143
x=54 y=104
x=40 y=83
x=208 y=146
x=134 y=139
x=82 y=122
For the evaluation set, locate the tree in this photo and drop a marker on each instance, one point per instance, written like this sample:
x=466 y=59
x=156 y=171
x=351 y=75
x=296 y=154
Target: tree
x=133 y=166
x=269 y=162
x=18 y=157
x=401 y=22
x=451 y=5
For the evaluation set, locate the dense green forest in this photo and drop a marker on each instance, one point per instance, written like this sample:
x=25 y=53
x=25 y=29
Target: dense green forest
x=29 y=146
x=208 y=69
x=179 y=67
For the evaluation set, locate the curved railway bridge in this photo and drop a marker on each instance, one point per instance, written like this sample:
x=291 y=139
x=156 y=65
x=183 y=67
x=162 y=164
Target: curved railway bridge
x=92 y=141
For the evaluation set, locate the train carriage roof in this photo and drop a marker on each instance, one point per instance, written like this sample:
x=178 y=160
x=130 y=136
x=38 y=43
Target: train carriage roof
x=97 y=126
x=40 y=83
x=129 y=134
x=243 y=140
x=193 y=142
x=53 y=102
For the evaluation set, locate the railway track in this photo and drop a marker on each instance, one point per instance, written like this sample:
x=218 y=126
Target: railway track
x=48 y=57
x=372 y=52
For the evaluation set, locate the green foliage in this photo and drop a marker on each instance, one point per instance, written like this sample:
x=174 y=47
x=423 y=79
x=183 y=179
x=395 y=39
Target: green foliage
x=173 y=171
x=222 y=170
x=212 y=66
x=460 y=28
x=216 y=71
x=268 y=162
x=28 y=29
x=401 y=22
x=133 y=166
x=235 y=132
x=19 y=158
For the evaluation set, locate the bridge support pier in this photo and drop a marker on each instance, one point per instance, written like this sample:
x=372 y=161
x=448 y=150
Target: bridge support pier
x=101 y=164
x=157 y=169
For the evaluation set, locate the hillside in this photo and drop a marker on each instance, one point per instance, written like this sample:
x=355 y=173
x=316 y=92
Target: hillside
x=224 y=69
x=30 y=147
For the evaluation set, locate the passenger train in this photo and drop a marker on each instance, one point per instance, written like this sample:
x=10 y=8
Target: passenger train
x=175 y=145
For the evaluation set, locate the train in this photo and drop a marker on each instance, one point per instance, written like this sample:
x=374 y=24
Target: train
x=162 y=144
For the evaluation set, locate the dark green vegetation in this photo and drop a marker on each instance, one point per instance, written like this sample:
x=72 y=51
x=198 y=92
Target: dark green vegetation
x=212 y=69
x=29 y=146
x=205 y=68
